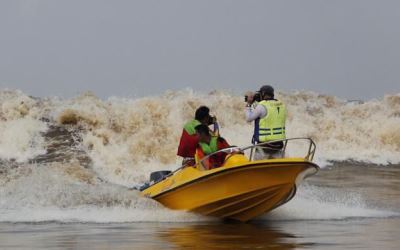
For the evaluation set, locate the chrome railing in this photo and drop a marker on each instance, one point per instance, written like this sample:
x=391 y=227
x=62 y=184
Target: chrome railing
x=281 y=152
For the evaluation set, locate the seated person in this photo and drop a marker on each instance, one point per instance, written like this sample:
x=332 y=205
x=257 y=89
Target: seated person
x=189 y=139
x=209 y=144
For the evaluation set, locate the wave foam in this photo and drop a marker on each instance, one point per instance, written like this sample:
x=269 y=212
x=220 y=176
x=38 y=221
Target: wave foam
x=93 y=214
x=72 y=160
x=316 y=203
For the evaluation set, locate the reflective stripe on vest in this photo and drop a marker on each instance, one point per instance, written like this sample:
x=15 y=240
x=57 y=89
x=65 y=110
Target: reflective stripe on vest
x=272 y=126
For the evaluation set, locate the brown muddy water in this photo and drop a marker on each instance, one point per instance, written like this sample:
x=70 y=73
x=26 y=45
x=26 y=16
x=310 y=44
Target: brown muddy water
x=345 y=206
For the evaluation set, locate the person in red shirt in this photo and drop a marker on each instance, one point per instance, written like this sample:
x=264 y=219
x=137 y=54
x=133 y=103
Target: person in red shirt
x=189 y=139
x=209 y=144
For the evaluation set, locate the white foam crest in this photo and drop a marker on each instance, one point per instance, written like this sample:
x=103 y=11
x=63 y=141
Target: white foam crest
x=121 y=132
x=61 y=185
x=93 y=214
x=366 y=132
x=21 y=139
x=317 y=203
x=129 y=138
x=68 y=193
x=20 y=127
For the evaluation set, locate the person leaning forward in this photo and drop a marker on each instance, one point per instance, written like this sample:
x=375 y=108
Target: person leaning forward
x=209 y=144
x=269 y=117
x=189 y=139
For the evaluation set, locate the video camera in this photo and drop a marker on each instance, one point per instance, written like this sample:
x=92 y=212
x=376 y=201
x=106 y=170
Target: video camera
x=256 y=97
x=212 y=120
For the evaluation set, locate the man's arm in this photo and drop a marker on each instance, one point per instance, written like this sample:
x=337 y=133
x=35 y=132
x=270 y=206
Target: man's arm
x=258 y=112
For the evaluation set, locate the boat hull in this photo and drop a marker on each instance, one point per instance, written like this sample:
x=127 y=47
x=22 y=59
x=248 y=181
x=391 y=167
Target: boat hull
x=238 y=192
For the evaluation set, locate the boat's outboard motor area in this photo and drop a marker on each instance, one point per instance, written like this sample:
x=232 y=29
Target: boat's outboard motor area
x=158 y=176
x=155 y=177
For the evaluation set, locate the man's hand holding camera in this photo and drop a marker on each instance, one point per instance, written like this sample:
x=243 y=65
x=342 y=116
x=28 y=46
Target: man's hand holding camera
x=252 y=98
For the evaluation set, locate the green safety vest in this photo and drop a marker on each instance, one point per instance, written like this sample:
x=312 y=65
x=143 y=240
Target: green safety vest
x=272 y=126
x=210 y=148
x=190 y=127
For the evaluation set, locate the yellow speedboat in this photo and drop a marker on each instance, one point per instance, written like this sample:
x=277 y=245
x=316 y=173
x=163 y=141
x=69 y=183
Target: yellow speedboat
x=241 y=189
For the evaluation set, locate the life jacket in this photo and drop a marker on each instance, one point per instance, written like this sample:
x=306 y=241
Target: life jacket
x=189 y=140
x=190 y=127
x=204 y=149
x=272 y=126
x=209 y=148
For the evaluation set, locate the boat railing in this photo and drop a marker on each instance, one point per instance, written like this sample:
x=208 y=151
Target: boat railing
x=252 y=153
x=264 y=150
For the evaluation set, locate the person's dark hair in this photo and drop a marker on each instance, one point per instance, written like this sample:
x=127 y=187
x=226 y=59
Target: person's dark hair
x=202 y=129
x=202 y=113
x=267 y=90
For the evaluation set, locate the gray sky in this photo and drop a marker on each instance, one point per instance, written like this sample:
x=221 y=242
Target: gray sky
x=131 y=48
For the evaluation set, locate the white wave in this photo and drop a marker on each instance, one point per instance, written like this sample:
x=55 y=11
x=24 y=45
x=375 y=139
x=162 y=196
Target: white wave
x=317 y=203
x=67 y=193
x=20 y=127
x=122 y=132
x=127 y=139
x=21 y=139
x=125 y=131
x=94 y=214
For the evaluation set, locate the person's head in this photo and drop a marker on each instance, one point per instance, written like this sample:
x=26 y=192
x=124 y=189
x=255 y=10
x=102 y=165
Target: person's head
x=267 y=92
x=203 y=115
x=204 y=133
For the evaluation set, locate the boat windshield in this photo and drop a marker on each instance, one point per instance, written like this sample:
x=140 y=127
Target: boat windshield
x=293 y=147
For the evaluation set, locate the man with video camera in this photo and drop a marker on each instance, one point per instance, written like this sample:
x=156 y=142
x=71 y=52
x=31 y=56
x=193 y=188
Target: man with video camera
x=269 y=116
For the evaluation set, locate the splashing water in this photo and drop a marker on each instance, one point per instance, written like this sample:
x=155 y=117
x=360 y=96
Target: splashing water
x=317 y=203
x=71 y=160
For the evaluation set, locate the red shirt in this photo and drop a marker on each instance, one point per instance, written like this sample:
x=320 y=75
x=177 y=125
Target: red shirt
x=188 y=144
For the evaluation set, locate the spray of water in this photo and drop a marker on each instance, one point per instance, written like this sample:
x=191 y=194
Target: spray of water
x=72 y=160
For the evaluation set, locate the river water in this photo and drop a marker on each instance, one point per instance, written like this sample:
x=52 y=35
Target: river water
x=363 y=215
x=67 y=165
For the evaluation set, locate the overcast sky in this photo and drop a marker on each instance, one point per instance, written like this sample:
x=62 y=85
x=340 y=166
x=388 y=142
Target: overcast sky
x=132 y=48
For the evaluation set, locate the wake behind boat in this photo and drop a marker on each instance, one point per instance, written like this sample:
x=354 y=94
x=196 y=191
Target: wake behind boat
x=241 y=189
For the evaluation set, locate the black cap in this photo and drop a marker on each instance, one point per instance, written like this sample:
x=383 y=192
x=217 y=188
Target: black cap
x=267 y=90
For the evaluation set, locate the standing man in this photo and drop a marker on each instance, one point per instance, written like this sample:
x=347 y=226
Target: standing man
x=189 y=139
x=269 y=118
